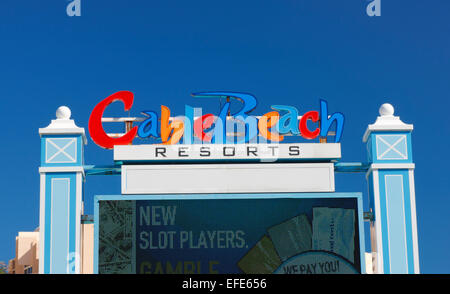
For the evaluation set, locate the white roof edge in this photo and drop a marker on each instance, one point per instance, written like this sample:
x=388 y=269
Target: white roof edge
x=390 y=128
x=59 y=169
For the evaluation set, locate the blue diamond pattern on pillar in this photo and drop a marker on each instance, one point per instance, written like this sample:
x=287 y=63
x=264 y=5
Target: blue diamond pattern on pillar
x=61 y=150
x=391 y=147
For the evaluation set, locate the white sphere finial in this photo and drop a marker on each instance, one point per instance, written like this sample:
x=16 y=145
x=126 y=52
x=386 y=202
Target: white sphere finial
x=63 y=112
x=386 y=110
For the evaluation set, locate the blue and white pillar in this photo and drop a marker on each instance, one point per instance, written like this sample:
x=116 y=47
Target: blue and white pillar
x=62 y=176
x=392 y=202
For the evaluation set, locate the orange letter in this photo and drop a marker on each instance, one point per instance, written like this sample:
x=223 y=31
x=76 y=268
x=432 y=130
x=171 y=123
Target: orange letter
x=266 y=122
x=177 y=126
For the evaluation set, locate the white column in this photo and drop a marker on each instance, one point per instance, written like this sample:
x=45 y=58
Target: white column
x=61 y=174
x=391 y=194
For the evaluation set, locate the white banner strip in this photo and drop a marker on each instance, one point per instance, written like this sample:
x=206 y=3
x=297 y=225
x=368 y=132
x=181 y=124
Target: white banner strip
x=256 y=152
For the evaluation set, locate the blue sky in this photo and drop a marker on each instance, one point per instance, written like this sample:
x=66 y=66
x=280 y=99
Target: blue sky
x=291 y=52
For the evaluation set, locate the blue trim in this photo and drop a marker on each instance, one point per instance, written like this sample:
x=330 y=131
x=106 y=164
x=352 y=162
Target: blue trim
x=79 y=150
x=383 y=222
x=97 y=198
x=339 y=167
x=351 y=167
x=96 y=210
x=73 y=214
x=58 y=265
x=408 y=222
x=91 y=170
x=372 y=144
x=356 y=195
x=60 y=229
x=369 y=149
x=371 y=203
x=395 y=196
x=362 y=243
x=389 y=261
x=47 y=224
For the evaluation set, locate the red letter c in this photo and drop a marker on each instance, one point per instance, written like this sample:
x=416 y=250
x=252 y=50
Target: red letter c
x=96 y=131
x=304 y=131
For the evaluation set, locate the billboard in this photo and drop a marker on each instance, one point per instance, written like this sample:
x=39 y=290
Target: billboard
x=293 y=233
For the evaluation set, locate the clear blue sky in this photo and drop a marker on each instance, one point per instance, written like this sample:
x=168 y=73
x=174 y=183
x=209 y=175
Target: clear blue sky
x=291 y=52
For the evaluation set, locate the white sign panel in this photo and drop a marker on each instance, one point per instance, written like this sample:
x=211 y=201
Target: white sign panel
x=243 y=152
x=228 y=178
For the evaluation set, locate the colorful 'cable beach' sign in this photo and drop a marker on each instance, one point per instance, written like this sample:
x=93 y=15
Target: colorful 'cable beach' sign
x=210 y=128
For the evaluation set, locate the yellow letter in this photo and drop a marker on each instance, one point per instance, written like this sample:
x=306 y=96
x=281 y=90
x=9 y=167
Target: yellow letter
x=211 y=265
x=189 y=267
x=169 y=268
x=147 y=265
x=159 y=268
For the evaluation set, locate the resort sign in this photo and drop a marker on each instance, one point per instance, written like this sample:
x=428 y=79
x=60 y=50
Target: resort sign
x=222 y=128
